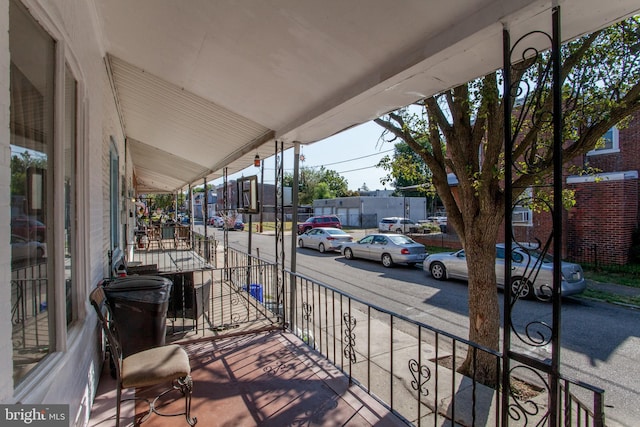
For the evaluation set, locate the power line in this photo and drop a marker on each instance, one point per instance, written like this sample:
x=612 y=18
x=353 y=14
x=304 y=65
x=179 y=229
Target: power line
x=342 y=161
x=359 y=169
x=338 y=172
x=357 y=158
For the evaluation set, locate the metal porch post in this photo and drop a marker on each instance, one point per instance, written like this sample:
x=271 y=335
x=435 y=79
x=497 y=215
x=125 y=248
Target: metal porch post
x=547 y=336
x=279 y=228
x=205 y=216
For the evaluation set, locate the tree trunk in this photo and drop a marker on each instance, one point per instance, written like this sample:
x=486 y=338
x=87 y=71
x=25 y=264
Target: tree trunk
x=484 y=312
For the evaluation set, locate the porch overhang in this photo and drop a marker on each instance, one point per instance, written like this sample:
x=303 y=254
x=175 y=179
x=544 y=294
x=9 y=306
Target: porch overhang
x=203 y=86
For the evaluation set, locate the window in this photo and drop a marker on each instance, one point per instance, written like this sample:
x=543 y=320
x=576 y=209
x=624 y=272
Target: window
x=611 y=143
x=70 y=222
x=43 y=192
x=367 y=240
x=522 y=215
x=114 y=197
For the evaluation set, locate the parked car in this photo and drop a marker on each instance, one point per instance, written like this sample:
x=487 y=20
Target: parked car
x=324 y=239
x=398 y=225
x=319 y=221
x=23 y=249
x=389 y=249
x=216 y=221
x=454 y=266
x=233 y=224
x=28 y=228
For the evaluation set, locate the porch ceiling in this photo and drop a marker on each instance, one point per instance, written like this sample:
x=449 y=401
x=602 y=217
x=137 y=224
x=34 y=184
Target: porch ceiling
x=203 y=85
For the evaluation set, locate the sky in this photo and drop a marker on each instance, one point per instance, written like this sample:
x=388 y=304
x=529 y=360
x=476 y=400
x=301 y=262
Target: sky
x=352 y=153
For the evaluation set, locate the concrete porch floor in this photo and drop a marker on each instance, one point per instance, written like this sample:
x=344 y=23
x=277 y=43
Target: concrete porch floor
x=259 y=379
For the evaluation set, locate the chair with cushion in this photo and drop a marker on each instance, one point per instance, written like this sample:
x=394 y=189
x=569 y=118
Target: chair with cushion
x=167 y=363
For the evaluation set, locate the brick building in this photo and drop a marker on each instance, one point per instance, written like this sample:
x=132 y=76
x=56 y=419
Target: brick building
x=599 y=227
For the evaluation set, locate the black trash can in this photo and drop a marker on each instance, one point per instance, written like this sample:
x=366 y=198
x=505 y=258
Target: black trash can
x=139 y=308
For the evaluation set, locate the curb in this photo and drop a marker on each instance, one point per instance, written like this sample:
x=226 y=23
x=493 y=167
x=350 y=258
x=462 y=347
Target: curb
x=621 y=304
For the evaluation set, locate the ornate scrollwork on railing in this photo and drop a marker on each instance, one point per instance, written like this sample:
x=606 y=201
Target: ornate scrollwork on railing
x=531 y=277
x=307 y=311
x=532 y=105
x=235 y=298
x=349 y=337
x=537 y=333
x=279 y=224
x=530 y=91
x=237 y=318
x=525 y=405
x=421 y=375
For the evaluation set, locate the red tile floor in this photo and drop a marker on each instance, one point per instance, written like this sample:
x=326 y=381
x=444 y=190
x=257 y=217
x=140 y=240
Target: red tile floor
x=264 y=379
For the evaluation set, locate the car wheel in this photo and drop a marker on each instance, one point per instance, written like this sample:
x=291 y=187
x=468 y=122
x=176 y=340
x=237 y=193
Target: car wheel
x=348 y=253
x=321 y=248
x=300 y=243
x=387 y=261
x=524 y=288
x=306 y=229
x=399 y=231
x=438 y=271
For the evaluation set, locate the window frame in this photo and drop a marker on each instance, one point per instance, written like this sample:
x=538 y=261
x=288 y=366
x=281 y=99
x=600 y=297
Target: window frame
x=615 y=144
x=114 y=196
x=62 y=334
x=527 y=195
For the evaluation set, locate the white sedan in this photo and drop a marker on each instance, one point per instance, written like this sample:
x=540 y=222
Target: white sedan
x=324 y=239
x=531 y=274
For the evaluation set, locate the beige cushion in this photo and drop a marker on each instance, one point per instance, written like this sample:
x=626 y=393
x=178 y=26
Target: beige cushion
x=154 y=366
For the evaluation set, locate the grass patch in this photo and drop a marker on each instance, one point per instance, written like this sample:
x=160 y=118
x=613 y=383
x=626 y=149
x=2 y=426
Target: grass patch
x=619 y=274
x=271 y=226
x=438 y=249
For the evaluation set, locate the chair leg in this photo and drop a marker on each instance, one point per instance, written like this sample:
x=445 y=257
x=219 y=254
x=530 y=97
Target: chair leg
x=118 y=399
x=185 y=386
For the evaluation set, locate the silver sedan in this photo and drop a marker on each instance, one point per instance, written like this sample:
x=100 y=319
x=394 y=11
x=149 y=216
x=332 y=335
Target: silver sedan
x=324 y=239
x=525 y=281
x=389 y=249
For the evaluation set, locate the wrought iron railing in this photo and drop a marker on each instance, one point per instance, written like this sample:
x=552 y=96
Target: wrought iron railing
x=29 y=304
x=166 y=255
x=30 y=320
x=410 y=367
x=413 y=368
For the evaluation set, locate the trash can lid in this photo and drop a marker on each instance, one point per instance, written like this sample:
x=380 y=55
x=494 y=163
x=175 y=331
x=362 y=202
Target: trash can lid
x=146 y=283
x=139 y=289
